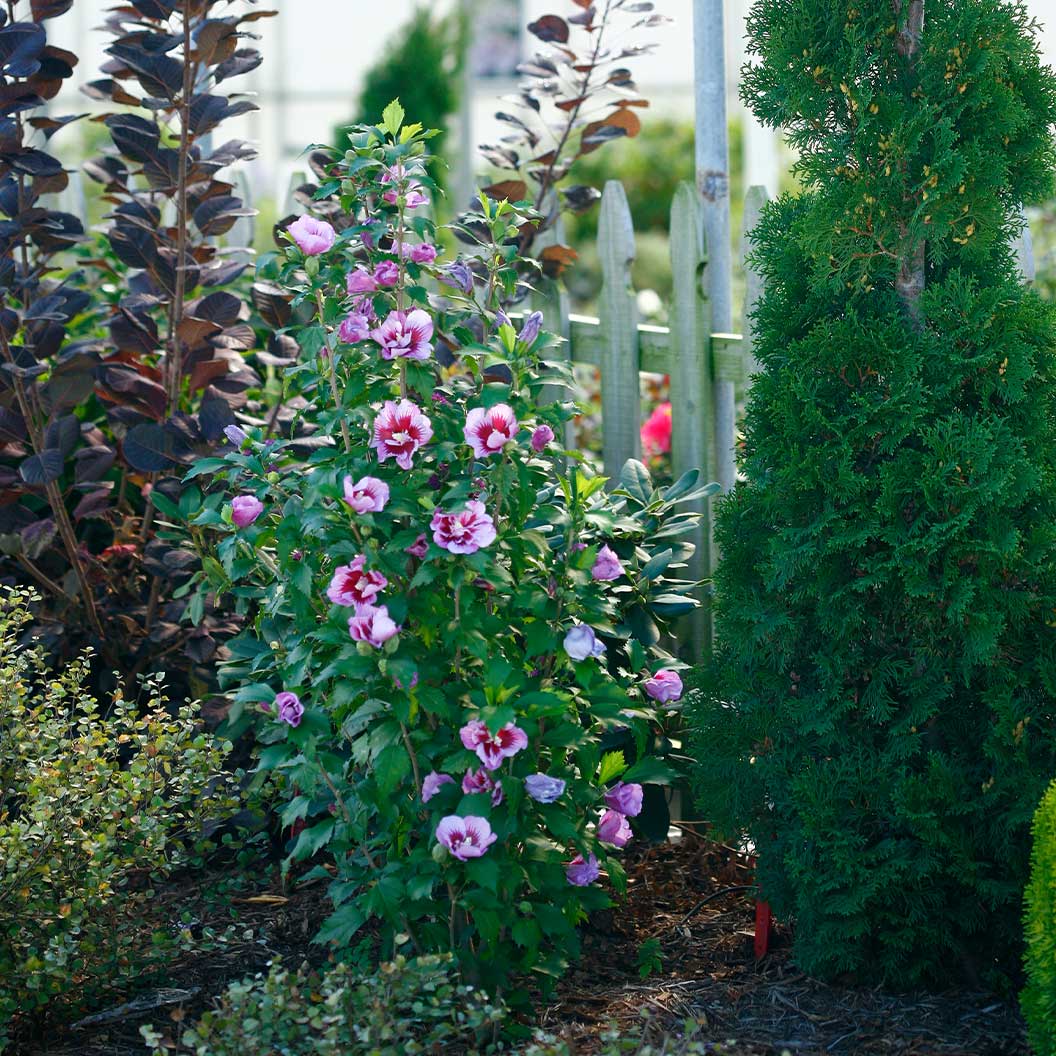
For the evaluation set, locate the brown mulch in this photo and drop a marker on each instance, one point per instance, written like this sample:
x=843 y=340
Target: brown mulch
x=688 y=895
x=680 y=894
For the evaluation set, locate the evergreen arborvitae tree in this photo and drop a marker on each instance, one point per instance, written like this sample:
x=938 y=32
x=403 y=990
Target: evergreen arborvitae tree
x=879 y=715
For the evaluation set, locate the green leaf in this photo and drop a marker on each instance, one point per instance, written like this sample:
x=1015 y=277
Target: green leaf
x=313 y=840
x=484 y=872
x=391 y=766
x=612 y=765
x=658 y=564
x=651 y=771
x=683 y=486
x=635 y=480
x=342 y=925
x=392 y=117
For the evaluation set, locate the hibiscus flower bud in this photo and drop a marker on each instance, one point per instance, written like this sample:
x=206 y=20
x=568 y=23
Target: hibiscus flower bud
x=581 y=642
x=533 y=323
x=419 y=548
x=288 y=708
x=543 y=788
x=665 y=686
x=458 y=275
x=614 y=829
x=311 y=235
x=541 y=436
x=245 y=509
x=236 y=435
x=607 y=565
x=627 y=799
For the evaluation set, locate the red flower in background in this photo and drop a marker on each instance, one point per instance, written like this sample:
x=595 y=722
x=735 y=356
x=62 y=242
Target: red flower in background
x=656 y=432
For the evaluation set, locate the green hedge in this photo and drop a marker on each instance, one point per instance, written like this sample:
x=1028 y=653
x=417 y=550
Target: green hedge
x=1039 y=997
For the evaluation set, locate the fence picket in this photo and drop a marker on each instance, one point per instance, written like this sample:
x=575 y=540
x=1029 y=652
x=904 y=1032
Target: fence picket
x=551 y=299
x=620 y=387
x=754 y=201
x=692 y=413
x=1024 y=250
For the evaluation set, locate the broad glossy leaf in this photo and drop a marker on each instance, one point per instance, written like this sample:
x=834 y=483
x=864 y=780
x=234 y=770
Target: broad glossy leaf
x=38 y=470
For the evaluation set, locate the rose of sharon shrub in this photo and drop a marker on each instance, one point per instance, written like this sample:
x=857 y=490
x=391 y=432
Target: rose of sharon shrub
x=423 y=580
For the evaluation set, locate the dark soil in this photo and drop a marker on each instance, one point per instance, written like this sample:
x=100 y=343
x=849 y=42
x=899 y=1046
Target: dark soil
x=687 y=895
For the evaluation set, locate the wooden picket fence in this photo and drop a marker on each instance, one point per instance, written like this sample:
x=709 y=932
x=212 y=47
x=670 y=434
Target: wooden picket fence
x=696 y=358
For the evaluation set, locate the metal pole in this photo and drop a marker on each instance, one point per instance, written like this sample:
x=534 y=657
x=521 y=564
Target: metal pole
x=713 y=186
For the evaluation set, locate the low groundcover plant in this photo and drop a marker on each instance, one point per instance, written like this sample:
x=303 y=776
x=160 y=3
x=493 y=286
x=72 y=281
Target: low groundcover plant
x=453 y=658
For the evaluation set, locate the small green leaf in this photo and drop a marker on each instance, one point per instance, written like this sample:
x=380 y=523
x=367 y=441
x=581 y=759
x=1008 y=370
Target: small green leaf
x=392 y=117
x=612 y=765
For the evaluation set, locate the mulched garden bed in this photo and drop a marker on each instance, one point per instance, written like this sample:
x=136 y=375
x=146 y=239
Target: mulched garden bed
x=688 y=896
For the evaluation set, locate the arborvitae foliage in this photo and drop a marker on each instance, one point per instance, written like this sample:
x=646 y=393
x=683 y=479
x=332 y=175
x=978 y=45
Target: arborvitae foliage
x=1039 y=918
x=879 y=717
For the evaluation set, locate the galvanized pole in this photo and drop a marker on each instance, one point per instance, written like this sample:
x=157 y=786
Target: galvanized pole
x=713 y=185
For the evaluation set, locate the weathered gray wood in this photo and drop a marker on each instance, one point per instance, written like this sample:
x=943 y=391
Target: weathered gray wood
x=713 y=184
x=754 y=201
x=72 y=198
x=620 y=387
x=691 y=409
x=241 y=235
x=1024 y=249
x=654 y=344
x=298 y=178
x=551 y=299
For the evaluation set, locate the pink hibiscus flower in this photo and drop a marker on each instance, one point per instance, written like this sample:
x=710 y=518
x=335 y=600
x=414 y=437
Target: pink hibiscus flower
x=433 y=782
x=354 y=328
x=400 y=429
x=464 y=532
x=489 y=429
x=405 y=334
x=360 y=281
x=468 y=837
x=367 y=495
x=372 y=625
x=419 y=548
x=354 y=585
x=480 y=780
x=580 y=872
x=492 y=749
x=312 y=236
x=387 y=273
